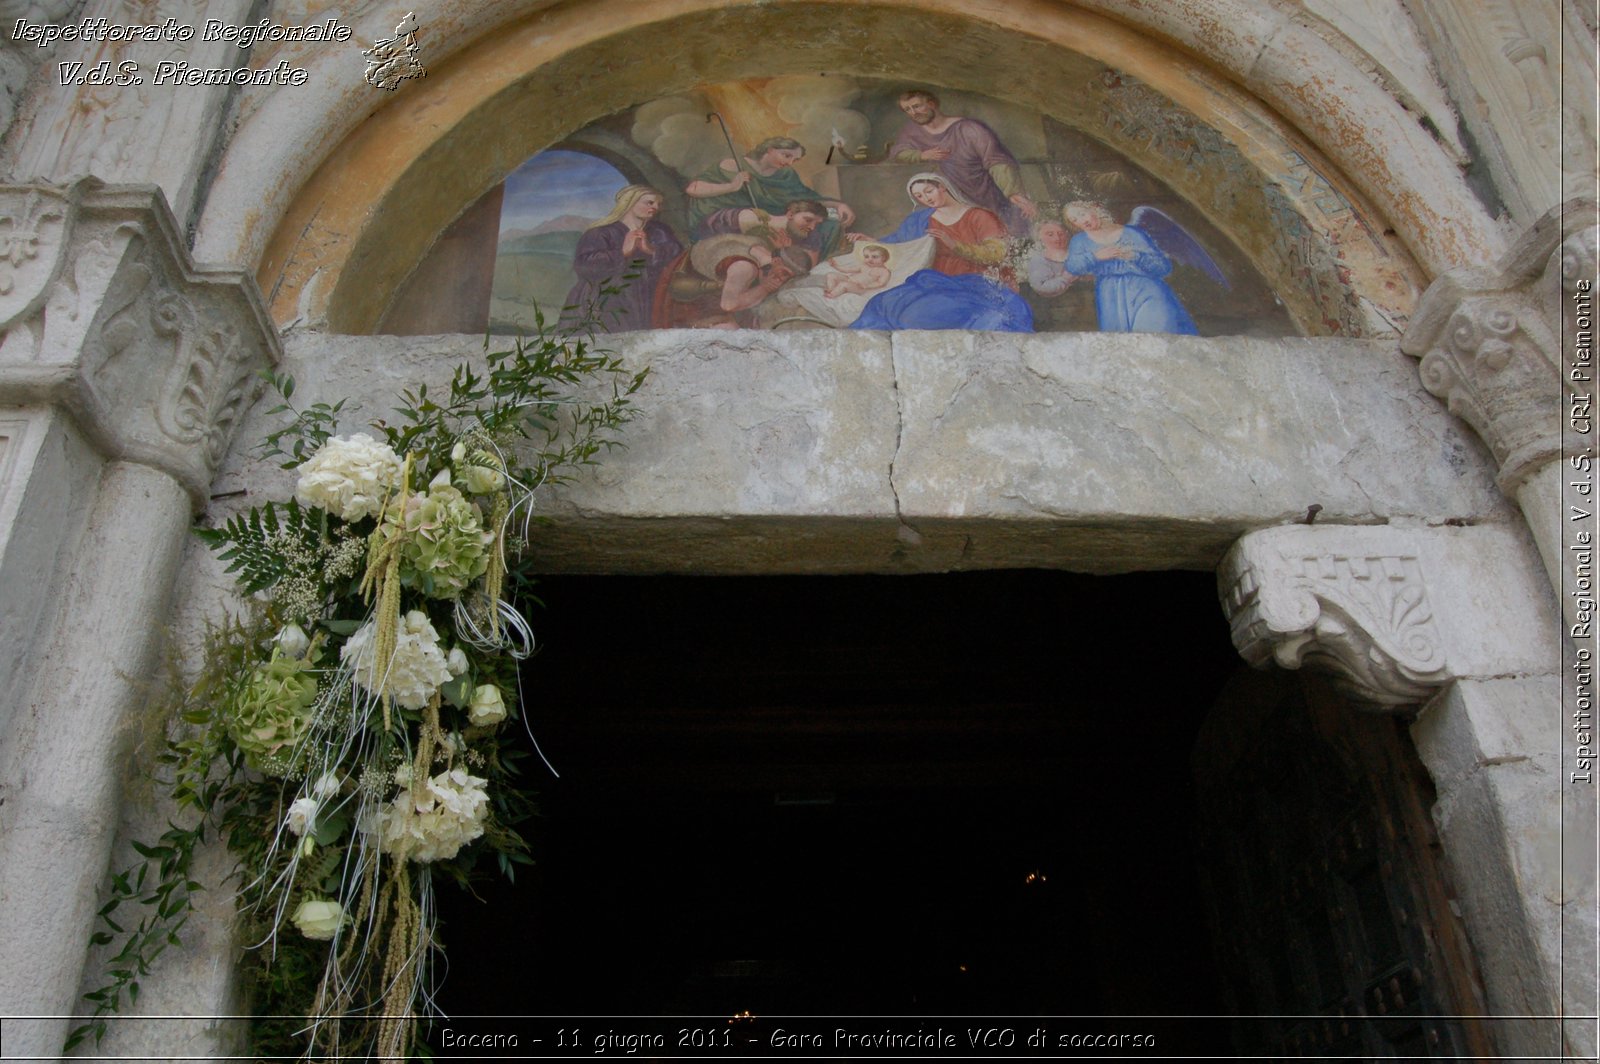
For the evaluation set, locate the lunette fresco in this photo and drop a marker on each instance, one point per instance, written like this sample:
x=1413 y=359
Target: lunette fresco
x=875 y=205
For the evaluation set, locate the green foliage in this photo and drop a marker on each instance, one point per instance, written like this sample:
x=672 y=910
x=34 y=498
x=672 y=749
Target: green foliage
x=254 y=543
x=310 y=428
x=526 y=393
x=275 y=983
x=204 y=775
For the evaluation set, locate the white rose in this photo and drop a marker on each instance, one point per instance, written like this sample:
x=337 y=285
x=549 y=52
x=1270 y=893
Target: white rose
x=302 y=816
x=327 y=786
x=457 y=661
x=349 y=477
x=293 y=641
x=487 y=706
x=481 y=479
x=317 y=919
x=458 y=452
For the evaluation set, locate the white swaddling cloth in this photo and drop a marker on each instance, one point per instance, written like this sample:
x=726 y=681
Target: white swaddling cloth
x=805 y=297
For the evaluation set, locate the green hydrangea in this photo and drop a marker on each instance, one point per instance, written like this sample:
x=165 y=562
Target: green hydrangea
x=273 y=710
x=444 y=547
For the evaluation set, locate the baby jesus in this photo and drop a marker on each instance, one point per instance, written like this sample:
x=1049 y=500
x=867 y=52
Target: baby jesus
x=859 y=280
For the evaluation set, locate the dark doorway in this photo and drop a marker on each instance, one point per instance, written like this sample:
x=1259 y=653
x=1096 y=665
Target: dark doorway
x=1337 y=928
x=923 y=795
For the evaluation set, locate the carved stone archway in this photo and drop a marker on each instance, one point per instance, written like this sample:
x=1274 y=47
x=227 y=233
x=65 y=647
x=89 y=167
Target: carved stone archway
x=125 y=369
x=367 y=207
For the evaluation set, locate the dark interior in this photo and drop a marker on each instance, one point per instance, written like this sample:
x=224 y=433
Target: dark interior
x=963 y=794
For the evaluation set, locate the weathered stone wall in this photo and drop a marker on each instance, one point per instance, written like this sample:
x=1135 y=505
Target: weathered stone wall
x=1522 y=76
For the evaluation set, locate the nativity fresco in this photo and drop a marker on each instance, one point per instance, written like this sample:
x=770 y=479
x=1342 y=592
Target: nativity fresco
x=847 y=203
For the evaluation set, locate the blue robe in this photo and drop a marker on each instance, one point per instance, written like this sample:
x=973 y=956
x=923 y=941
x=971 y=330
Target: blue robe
x=1129 y=294
x=929 y=299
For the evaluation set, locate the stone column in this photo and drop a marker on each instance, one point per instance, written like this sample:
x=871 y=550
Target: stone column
x=124 y=368
x=1491 y=345
x=1458 y=622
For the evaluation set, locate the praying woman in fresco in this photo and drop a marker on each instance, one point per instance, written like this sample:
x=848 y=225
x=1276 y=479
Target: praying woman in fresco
x=967 y=285
x=1129 y=263
x=619 y=262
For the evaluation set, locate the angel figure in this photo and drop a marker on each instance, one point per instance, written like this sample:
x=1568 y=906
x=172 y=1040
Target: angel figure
x=1128 y=263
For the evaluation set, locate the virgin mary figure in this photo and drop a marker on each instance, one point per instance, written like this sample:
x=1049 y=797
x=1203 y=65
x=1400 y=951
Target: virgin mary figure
x=968 y=285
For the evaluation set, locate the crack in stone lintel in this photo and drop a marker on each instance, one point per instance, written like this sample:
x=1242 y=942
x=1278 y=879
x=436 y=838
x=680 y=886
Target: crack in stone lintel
x=899 y=429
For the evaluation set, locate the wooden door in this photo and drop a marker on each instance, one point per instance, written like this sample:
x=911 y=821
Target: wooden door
x=1326 y=889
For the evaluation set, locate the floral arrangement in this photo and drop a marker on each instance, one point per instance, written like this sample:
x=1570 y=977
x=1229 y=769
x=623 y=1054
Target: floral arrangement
x=348 y=734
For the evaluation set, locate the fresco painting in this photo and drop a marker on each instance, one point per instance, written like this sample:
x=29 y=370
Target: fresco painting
x=834 y=202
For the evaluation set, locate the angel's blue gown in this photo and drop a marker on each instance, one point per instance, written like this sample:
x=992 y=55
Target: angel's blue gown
x=1129 y=294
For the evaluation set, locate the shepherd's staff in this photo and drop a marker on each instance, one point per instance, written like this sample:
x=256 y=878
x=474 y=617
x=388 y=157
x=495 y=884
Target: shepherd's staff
x=737 y=159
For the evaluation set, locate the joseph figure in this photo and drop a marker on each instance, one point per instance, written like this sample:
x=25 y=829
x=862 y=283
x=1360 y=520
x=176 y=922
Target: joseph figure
x=768 y=177
x=968 y=153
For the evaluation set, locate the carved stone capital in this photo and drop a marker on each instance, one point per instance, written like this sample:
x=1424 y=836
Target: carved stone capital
x=1394 y=614
x=1353 y=605
x=1489 y=340
x=103 y=312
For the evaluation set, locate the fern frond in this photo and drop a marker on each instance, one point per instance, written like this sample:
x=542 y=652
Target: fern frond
x=253 y=542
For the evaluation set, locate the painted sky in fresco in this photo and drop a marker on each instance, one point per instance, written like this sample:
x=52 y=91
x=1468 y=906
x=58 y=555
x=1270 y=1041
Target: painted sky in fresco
x=554 y=184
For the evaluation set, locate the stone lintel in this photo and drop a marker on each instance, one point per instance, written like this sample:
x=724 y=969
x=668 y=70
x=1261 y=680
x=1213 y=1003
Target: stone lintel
x=1394 y=614
x=844 y=451
x=104 y=314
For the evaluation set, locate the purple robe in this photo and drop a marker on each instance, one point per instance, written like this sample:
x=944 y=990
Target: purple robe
x=599 y=264
x=973 y=148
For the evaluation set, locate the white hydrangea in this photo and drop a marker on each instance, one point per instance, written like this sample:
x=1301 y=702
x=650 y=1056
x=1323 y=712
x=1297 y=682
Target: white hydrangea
x=419 y=667
x=435 y=824
x=349 y=477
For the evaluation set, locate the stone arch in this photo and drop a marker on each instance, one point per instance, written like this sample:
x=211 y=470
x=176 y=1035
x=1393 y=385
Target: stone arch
x=332 y=234
x=634 y=164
